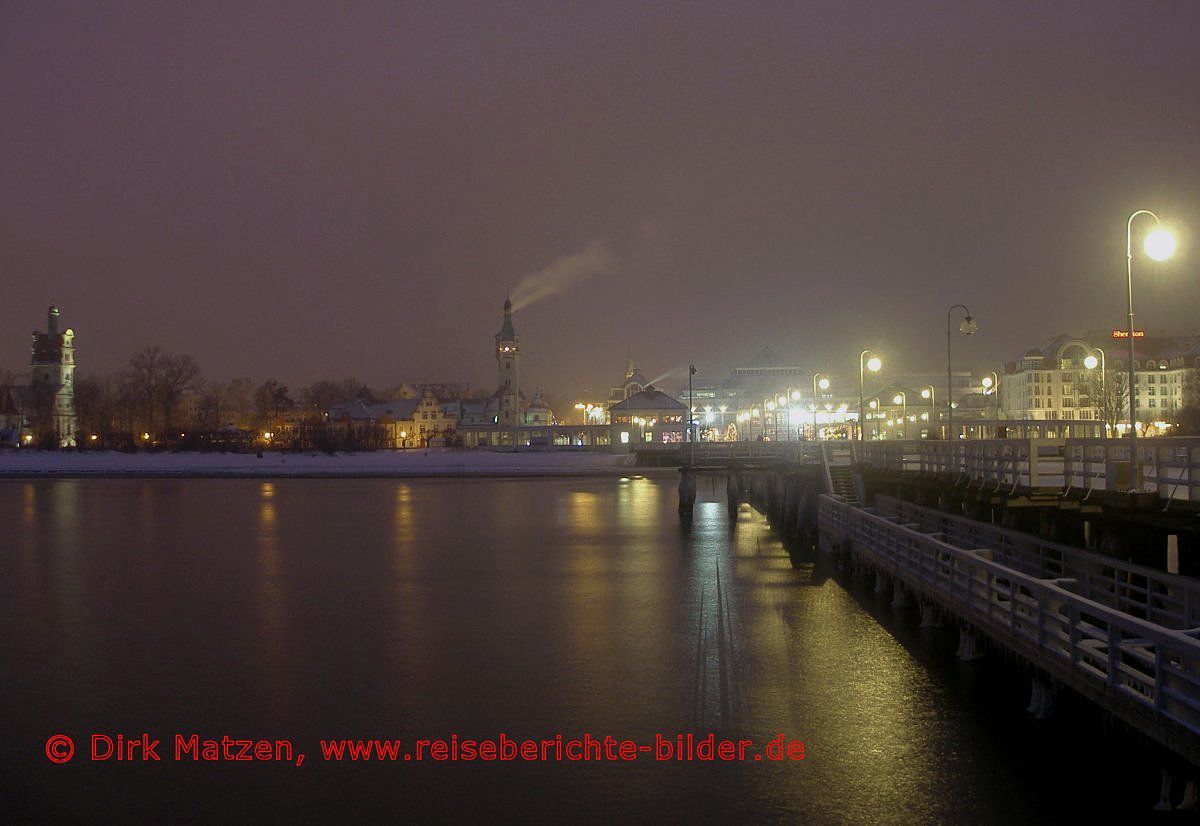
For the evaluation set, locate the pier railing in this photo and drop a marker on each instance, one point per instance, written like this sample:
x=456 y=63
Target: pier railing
x=1164 y=599
x=728 y=452
x=1170 y=466
x=1104 y=652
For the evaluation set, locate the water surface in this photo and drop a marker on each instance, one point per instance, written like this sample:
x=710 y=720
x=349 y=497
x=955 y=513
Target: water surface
x=376 y=608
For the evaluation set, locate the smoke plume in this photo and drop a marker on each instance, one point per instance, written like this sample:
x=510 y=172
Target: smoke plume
x=563 y=273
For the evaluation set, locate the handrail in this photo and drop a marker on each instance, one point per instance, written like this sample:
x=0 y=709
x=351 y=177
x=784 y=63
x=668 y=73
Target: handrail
x=1166 y=599
x=1154 y=667
x=1170 y=465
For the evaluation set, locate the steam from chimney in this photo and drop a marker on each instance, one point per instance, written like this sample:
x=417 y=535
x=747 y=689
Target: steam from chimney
x=563 y=273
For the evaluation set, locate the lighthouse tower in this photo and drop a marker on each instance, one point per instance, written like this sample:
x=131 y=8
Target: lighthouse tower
x=508 y=357
x=52 y=379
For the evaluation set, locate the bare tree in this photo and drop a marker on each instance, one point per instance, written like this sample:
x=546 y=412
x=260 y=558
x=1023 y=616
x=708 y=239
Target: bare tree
x=141 y=384
x=238 y=401
x=272 y=402
x=179 y=374
x=155 y=382
x=1109 y=394
x=1187 y=417
x=319 y=396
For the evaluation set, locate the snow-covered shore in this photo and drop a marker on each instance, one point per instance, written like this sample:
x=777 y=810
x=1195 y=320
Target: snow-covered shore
x=31 y=463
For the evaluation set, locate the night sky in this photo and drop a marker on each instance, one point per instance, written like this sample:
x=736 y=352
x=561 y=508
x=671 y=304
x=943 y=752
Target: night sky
x=310 y=190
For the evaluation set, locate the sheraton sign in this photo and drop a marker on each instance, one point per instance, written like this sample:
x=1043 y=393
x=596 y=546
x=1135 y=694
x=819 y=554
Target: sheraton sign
x=1125 y=334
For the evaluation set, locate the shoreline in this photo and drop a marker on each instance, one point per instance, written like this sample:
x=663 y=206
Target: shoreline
x=434 y=464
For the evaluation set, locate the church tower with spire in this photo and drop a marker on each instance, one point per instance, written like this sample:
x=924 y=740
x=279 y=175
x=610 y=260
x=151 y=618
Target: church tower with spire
x=508 y=357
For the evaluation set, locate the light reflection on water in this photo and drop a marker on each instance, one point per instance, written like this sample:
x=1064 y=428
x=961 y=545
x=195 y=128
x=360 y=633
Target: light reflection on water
x=389 y=608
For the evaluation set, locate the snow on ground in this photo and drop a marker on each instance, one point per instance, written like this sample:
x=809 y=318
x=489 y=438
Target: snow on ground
x=27 y=463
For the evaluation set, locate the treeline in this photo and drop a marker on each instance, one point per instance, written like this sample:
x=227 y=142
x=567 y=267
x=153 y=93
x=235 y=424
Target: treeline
x=162 y=398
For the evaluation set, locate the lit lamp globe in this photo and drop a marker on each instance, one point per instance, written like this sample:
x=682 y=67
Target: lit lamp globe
x=874 y=364
x=1090 y=362
x=925 y=393
x=987 y=382
x=1160 y=244
x=824 y=383
x=897 y=399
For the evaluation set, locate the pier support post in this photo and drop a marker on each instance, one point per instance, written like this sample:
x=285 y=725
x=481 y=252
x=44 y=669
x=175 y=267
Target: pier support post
x=899 y=598
x=967 y=648
x=1189 y=797
x=929 y=617
x=1164 y=792
x=881 y=583
x=1035 y=698
x=687 y=491
x=1042 y=699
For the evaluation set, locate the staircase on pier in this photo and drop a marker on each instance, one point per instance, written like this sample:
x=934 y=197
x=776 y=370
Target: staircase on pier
x=838 y=459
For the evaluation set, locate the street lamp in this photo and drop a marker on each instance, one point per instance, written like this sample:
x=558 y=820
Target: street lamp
x=691 y=416
x=1159 y=245
x=967 y=326
x=930 y=395
x=819 y=383
x=901 y=399
x=874 y=364
x=991 y=386
x=1090 y=362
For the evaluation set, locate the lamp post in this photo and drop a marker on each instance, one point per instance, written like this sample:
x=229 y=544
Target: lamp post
x=1090 y=362
x=901 y=399
x=1159 y=245
x=873 y=364
x=819 y=383
x=991 y=386
x=691 y=416
x=967 y=327
x=930 y=395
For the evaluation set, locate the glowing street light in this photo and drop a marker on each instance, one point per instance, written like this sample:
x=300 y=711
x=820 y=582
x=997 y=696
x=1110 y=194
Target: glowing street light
x=819 y=383
x=1091 y=362
x=1159 y=245
x=874 y=364
x=968 y=326
x=901 y=399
